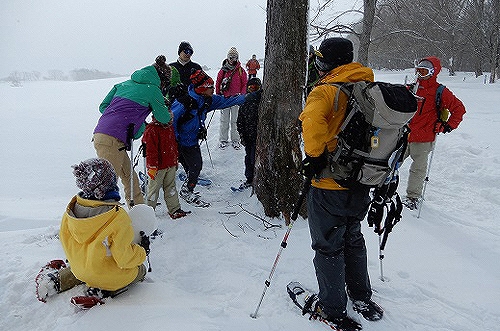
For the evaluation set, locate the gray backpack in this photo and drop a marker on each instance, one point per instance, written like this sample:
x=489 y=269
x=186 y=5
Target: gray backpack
x=373 y=136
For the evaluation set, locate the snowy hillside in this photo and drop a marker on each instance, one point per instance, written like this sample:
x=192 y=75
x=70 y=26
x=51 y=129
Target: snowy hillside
x=208 y=269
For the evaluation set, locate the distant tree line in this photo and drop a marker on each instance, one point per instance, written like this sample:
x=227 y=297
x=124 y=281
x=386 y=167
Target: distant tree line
x=17 y=77
x=465 y=34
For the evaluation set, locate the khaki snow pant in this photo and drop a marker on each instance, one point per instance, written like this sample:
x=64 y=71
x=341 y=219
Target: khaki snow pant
x=164 y=179
x=228 y=117
x=68 y=280
x=114 y=151
x=419 y=153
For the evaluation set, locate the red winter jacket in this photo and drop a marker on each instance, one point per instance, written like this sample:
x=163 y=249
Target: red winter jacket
x=423 y=122
x=161 y=147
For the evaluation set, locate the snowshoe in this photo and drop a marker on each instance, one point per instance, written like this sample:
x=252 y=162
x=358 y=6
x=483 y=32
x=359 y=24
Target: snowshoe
x=193 y=198
x=309 y=304
x=411 y=203
x=201 y=181
x=47 y=281
x=242 y=187
x=368 y=309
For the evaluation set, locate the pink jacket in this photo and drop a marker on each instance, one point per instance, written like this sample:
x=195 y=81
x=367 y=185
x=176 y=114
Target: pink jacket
x=238 y=84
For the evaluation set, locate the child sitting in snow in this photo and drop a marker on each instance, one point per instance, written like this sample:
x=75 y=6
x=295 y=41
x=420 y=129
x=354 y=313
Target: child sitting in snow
x=96 y=234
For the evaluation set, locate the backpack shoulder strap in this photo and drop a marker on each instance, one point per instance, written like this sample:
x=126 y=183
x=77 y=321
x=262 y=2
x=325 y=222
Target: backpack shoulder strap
x=344 y=87
x=439 y=96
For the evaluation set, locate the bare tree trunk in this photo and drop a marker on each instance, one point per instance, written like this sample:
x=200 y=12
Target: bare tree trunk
x=365 y=37
x=495 y=50
x=277 y=181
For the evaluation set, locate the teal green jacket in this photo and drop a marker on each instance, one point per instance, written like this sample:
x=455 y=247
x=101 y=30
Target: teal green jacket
x=130 y=102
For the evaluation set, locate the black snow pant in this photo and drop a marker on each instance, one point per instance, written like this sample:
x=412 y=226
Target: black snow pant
x=191 y=160
x=340 y=253
x=249 y=161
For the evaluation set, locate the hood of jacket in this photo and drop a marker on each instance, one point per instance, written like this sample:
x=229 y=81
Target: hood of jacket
x=86 y=217
x=432 y=81
x=146 y=75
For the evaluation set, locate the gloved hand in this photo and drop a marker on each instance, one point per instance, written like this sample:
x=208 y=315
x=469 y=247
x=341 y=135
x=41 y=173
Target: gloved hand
x=144 y=242
x=312 y=166
x=253 y=96
x=442 y=127
x=188 y=102
x=375 y=215
x=152 y=172
x=177 y=91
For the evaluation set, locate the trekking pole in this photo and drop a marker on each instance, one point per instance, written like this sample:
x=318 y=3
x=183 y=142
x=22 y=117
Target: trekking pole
x=426 y=180
x=146 y=179
x=130 y=143
x=381 y=257
x=305 y=188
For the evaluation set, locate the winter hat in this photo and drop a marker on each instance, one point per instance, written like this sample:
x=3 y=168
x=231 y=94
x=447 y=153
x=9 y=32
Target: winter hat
x=184 y=45
x=164 y=71
x=201 y=81
x=232 y=54
x=333 y=52
x=256 y=82
x=96 y=178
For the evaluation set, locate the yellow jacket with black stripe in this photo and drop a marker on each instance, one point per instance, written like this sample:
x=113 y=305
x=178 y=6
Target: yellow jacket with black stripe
x=320 y=124
x=97 y=239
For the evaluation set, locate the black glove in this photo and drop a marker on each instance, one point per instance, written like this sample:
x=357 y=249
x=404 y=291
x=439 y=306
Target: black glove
x=253 y=96
x=312 y=166
x=443 y=127
x=186 y=117
x=144 y=242
x=188 y=102
x=375 y=215
x=177 y=91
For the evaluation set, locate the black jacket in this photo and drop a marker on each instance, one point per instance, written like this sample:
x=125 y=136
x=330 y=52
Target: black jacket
x=185 y=70
x=248 y=118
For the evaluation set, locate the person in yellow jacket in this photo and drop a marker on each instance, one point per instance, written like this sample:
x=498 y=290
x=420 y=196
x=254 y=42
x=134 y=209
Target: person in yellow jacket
x=97 y=236
x=335 y=212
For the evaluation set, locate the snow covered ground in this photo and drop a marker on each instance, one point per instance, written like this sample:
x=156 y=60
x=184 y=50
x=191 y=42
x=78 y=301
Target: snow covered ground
x=442 y=270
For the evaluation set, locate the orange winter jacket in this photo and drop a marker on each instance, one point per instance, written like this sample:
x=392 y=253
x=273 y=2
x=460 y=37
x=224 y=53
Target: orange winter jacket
x=423 y=122
x=320 y=124
x=98 y=243
x=252 y=66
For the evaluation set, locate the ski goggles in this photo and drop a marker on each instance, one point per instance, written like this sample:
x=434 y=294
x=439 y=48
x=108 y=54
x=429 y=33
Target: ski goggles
x=424 y=72
x=188 y=51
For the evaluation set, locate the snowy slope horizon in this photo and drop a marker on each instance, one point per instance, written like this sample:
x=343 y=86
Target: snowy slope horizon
x=442 y=270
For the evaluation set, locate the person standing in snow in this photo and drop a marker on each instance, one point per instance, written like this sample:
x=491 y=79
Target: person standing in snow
x=184 y=65
x=427 y=122
x=335 y=213
x=189 y=126
x=252 y=66
x=248 y=120
x=231 y=81
x=128 y=104
x=161 y=164
x=96 y=234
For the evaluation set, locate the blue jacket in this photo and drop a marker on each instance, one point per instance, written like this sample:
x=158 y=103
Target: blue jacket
x=186 y=132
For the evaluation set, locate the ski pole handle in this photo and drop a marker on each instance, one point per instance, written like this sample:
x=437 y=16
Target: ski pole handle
x=305 y=188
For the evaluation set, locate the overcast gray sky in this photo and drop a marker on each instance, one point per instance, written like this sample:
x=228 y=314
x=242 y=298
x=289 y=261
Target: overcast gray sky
x=121 y=36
